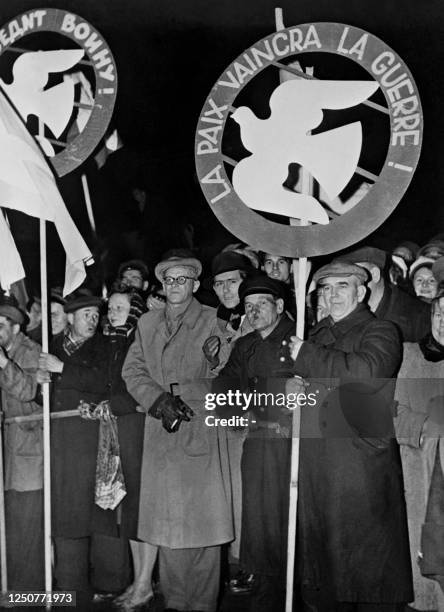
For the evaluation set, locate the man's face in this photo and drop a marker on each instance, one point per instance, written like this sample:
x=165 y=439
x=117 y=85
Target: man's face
x=59 y=318
x=226 y=286
x=84 y=322
x=133 y=278
x=176 y=293
x=277 y=267
x=8 y=331
x=425 y=284
x=341 y=295
x=438 y=321
x=263 y=311
x=118 y=308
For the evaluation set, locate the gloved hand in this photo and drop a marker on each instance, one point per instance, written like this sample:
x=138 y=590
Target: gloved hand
x=171 y=410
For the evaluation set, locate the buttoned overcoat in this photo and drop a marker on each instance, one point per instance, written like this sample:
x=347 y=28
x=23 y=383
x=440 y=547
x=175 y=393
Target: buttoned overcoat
x=185 y=497
x=352 y=528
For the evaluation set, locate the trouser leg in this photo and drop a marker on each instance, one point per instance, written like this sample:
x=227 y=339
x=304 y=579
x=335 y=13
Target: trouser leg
x=24 y=540
x=189 y=577
x=72 y=564
x=110 y=563
x=267 y=594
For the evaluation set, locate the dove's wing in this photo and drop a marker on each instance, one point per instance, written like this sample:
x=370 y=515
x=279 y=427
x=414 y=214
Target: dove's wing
x=322 y=94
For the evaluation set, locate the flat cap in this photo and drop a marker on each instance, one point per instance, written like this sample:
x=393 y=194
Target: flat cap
x=134 y=264
x=177 y=257
x=82 y=298
x=227 y=261
x=9 y=307
x=421 y=262
x=372 y=255
x=341 y=268
x=261 y=283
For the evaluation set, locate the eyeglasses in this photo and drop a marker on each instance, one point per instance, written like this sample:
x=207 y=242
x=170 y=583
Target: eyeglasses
x=178 y=280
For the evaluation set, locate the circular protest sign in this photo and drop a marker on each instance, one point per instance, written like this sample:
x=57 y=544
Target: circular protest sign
x=244 y=192
x=70 y=88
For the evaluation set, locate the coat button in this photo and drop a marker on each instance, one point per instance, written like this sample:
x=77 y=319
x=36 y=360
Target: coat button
x=281 y=358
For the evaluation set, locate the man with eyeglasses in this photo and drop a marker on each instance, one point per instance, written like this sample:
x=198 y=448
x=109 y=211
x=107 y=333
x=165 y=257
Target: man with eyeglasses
x=352 y=529
x=259 y=364
x=185 y=499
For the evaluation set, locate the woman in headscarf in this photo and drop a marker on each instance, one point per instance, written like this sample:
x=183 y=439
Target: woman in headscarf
x=420 y=431
x=123 y=314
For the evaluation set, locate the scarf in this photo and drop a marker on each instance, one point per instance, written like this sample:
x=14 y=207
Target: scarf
x=431 y=349
x=233 y=316
x=70 y=346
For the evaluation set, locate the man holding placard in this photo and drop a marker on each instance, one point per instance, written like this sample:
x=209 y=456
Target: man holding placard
x=352 y=527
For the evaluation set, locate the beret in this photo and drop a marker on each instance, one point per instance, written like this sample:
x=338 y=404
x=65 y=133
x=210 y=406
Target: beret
x=378 y=257
x=261 y=283
x=341 y=268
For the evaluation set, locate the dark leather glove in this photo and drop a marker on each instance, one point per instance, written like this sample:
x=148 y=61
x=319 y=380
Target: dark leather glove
x=171 y=410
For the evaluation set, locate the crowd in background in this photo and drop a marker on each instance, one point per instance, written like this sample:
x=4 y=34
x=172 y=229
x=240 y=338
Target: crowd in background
x=140 y=482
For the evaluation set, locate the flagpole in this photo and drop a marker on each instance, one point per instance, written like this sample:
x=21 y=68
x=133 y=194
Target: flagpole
x=3 y=566
x=46 y=419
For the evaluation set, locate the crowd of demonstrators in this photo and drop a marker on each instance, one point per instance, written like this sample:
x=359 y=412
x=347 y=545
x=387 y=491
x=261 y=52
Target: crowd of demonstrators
x=140 y=478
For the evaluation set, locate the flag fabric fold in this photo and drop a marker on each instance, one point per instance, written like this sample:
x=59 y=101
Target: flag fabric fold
x=27 y=184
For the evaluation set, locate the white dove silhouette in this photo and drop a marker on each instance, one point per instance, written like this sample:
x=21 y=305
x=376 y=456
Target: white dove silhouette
x=331 y=157
x=52 y=106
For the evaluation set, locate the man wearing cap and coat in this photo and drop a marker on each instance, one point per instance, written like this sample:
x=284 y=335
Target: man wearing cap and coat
x=23 y=451
x=388 y=302
x=352 y=528
x=185 y=496
x=260 y=362
x=78 y=361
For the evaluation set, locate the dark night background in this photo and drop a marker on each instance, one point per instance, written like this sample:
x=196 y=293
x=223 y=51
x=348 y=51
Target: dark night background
x=169 y=54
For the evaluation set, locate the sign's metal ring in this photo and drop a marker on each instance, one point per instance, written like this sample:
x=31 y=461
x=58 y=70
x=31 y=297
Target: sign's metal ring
x=399 y=166
x=97 y=53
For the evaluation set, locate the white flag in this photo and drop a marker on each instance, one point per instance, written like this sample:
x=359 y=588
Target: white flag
x=28 y=185
x=11 y=267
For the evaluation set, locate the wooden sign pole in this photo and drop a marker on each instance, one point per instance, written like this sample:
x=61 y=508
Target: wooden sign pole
x=300 y=268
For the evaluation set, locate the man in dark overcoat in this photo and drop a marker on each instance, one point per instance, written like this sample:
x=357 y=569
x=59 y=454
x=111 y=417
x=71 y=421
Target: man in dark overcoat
x=352 y=532
x=78 y=370
x=259 y=364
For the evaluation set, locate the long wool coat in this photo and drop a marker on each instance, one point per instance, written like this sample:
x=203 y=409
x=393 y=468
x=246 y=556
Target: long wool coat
x=23 y=441
x=352 y=530
x=74 y=440
x=420 y=392
x=185 y=496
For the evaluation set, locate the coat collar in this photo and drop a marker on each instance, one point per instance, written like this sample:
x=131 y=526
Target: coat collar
x=284 y=326
x=191 y=314
x=359 y=315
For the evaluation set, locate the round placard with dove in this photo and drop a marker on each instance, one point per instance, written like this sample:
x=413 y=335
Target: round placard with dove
x=353 y=126
x=59 y=73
